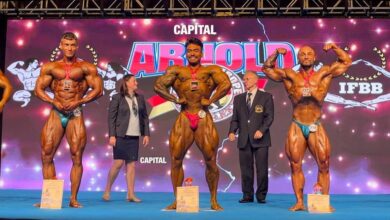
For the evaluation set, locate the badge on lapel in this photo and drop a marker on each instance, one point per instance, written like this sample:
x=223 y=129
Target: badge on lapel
x=258 y=108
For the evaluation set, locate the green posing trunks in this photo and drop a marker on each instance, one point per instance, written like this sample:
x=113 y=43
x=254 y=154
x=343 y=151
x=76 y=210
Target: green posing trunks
x=306 y=129
x=65 y=117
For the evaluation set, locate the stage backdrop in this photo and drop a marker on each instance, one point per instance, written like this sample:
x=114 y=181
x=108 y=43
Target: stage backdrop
x=355 y=115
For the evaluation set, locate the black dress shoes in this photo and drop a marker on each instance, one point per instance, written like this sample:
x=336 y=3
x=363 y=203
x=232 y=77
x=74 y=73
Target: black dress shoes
x=245 y=200
x=261 y=201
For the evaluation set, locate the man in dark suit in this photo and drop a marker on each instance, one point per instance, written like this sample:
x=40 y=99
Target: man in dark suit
x=253 y=113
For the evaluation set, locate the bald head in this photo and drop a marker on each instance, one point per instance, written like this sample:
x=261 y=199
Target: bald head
x=251 y=73
x=306 y=56
x=306 y=49
x=250 y=80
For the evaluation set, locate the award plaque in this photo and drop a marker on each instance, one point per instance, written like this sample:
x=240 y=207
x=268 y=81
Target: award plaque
x=187 y=199
x=52 y=192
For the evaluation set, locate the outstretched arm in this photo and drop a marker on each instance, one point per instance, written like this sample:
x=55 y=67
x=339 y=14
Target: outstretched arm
x=162 y=84
x=270 y=69
x=7 y=89
x=343 y=60
x=223 y=83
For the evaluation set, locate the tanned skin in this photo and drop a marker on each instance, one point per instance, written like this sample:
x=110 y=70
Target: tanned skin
x=307 y=110
x=211 y=78
x=7 y=90
x=83 y=75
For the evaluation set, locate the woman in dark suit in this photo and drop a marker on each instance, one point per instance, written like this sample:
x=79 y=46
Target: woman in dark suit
x=127 y=121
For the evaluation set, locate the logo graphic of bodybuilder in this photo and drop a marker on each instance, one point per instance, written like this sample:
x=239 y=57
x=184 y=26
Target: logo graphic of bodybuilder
x=27 y=72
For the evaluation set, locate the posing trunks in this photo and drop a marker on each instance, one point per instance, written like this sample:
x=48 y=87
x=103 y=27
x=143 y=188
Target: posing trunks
x=65 y=117
x=306 y=129
x=194 y=118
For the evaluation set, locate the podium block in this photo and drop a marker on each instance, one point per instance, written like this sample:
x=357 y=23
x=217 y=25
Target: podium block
x=317 y=203
x=52 y=192
x=187 y=199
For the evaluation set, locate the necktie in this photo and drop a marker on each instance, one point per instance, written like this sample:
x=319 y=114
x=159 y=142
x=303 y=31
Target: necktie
x=248 y=102
x=134 y=106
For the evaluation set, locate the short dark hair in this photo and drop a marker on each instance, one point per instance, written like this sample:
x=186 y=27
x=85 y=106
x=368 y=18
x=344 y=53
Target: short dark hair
x=29 y=61
x=194 y=40
x=69 y=36
x=115 y=66
x=123 y=88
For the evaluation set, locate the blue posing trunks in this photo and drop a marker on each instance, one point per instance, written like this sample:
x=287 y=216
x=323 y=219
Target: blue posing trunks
x=66 y=117
x=305 y=128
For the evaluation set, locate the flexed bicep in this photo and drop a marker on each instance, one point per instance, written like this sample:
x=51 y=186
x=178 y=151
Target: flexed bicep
x=343 y=62
x=269 y=68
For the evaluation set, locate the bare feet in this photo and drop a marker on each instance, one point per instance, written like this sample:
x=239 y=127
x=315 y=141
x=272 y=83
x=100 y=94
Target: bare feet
x=106 y=197
x=215 y=206
x=133 y=199
x=171 y=206
x=297 y=207
x=75 y=204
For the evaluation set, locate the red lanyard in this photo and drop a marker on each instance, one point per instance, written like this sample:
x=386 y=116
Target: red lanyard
x=193 y=72
x=307 y=78
x=68 y=68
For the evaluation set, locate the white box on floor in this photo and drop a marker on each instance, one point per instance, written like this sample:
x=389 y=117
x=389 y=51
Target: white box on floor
x=187 y=199
x=318 y=203
x=52 y=192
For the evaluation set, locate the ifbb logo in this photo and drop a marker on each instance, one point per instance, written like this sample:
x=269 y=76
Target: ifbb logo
x=363 y=85
x=223 y=108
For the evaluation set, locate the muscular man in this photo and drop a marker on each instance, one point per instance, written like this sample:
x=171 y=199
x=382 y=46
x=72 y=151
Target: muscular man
x=307 y=90
x=194 y=85
x=69 y=79
x=7 y=89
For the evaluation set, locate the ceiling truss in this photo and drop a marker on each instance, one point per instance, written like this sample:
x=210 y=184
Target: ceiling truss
x=194 y=8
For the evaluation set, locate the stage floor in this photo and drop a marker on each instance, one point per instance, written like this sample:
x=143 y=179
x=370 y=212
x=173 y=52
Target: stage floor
x=18 y=204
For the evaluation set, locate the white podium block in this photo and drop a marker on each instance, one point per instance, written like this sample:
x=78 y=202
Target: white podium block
x=317 y=203
x=187 y=199
x=52 y=192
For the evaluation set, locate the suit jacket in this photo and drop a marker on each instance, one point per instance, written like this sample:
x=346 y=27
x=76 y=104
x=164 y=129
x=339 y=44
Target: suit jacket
x=119 y=116
x=260 y=117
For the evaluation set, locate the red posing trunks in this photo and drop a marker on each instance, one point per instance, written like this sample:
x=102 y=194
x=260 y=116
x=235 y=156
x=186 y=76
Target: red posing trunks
x=194 y=120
